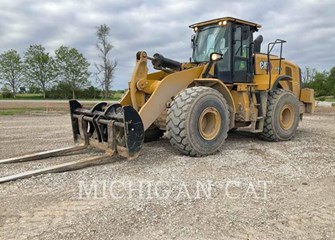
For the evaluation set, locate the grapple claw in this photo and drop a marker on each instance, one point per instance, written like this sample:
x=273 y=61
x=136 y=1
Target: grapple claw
x=116 y=128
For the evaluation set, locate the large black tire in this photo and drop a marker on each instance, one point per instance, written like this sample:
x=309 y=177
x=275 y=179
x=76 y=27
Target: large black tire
x=153 y=134
x=198 y=121
x=282 y=116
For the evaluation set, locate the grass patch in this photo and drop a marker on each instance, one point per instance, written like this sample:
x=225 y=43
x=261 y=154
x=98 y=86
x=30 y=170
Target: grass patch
x=116 y=96
x=37 y=96
x=20 y=111
x=29 y=96
x=326 y=98
x=24 y=96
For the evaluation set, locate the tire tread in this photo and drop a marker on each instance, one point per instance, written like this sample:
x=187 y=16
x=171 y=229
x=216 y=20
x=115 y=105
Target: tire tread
x=177 y=117
x=268 y=130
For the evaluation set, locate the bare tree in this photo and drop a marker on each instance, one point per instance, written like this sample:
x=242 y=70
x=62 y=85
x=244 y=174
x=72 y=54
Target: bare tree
x=308 y=74
x=105 y=69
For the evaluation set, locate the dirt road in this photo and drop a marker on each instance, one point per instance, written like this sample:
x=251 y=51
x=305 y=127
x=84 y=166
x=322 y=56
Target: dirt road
x=250 y=190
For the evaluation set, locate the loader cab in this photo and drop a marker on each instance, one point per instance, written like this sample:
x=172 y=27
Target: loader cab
x=233 y=40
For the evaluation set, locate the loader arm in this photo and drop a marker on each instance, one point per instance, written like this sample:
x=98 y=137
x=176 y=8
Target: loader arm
x=162 y=90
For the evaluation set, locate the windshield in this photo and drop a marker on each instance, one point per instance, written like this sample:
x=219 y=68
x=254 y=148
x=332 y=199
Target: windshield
x=210 y=39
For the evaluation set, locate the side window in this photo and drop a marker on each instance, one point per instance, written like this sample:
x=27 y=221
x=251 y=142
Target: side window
x=237 y=42
x=222 y=47
x=241 y=49
x=210 y=43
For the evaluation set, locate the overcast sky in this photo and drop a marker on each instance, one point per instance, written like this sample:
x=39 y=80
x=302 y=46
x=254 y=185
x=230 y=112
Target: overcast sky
x=162 y=26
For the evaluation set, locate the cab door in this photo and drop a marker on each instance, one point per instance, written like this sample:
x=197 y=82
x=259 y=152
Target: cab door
x=242 y=54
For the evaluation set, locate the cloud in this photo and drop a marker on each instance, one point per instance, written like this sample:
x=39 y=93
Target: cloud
x=162 y=26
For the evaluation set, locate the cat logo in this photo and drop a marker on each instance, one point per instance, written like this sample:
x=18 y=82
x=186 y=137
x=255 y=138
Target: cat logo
x=263 y=65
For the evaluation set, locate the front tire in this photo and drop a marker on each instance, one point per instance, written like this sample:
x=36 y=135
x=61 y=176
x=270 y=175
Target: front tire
x=282 y=117
x=153 y=133
x=198 y=121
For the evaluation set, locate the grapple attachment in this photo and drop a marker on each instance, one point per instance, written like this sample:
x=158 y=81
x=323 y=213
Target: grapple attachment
x=114 y=128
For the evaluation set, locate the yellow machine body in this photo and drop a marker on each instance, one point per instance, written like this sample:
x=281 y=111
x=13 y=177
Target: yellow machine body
x=229 y=84
x=249 y=88
x=151 y=93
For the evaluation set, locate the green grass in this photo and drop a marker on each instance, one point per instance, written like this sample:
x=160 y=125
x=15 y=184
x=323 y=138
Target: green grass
x=326 y=98
x=37 y=96
x=25 y=96
x=29 y=96
x=117 y=96
x=19 y=111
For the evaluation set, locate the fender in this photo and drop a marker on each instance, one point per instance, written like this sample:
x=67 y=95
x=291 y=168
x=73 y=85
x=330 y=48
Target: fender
x=222 y=88
x=282 y=78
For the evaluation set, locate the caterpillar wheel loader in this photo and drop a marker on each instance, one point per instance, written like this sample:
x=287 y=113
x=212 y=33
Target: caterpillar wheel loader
x=227 y=84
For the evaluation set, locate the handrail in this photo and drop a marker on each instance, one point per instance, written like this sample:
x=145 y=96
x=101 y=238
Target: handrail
x=270 y=48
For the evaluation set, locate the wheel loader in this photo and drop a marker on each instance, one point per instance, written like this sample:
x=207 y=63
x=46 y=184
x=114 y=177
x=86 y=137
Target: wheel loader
x=228 y=84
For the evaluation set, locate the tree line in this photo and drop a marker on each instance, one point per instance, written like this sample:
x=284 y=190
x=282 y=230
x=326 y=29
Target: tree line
x=67 y=70
x=323 y=82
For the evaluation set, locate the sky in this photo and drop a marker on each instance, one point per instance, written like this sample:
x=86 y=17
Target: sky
x=161 y=26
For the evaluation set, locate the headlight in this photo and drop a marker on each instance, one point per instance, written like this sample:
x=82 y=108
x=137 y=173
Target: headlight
x=216 y=56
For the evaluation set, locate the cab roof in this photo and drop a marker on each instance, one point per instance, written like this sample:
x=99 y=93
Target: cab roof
x=231 y=19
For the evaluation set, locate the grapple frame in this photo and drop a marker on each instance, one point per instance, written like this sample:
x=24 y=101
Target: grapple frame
x=114 y=128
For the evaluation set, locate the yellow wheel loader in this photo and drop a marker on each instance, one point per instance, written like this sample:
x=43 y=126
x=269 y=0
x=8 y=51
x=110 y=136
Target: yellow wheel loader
x=227 y=84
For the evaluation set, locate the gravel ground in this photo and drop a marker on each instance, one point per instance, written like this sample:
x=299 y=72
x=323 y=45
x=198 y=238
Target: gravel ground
x=250 y=190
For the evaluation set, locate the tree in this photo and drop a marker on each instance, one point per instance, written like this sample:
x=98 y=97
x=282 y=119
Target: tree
x=105 y=70
x=72 y=67
x=40 y=68
x=319 y=84
x=331 y=81
x=11 y=68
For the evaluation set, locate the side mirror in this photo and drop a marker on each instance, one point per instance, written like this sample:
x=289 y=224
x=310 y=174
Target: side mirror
x=216 y=56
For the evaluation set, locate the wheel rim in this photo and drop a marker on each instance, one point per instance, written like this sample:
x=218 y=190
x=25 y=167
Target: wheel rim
x=209 y=123
x=287 y=117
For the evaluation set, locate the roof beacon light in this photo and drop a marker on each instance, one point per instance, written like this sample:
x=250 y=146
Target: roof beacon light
x=223 y=23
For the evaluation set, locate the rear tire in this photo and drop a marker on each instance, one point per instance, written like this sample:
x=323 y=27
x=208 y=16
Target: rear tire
x=282 y=117
x=198 y=121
